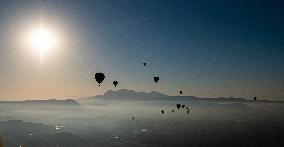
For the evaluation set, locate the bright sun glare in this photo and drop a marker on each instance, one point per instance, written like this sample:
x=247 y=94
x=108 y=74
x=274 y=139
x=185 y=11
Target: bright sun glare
x=42 y=40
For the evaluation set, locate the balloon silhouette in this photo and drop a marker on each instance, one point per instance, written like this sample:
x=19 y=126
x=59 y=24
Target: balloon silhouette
x=182 y=106
x=162 y=111
x=173 y=110
x=132 y=118
x=178 y=106
x=156 y=79
x=99 y=77
x=115 y=83
x=144 y=63
x=255 y=98
x=180 y=92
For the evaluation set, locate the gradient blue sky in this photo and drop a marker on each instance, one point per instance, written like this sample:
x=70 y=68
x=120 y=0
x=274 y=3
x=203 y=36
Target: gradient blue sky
x=205 y=48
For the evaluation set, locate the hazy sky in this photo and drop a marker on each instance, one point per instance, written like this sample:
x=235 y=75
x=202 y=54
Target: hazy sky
x=205 y=48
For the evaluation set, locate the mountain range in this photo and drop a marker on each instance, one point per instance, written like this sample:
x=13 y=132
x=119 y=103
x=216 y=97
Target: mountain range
x=125 y=94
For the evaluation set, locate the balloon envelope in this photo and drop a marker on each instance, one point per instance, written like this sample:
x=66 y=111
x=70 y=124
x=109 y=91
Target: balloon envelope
x=115 y=83
x=156 y=79
x=99 y=77
x=180 y=92
x=178 y=106
x=144 y=63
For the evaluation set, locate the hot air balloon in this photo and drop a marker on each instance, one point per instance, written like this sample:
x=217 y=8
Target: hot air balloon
x=180 y=92
x=156 y=79
x=99 y=77
x=144 y=63
x=255 y=98
x=178 y=106
x=173 y=110
x=115 y=83
x=182 y=106
x=132 y=118
x=162 y=111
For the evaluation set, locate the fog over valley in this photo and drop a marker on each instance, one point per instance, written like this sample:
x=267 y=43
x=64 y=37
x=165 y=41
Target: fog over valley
x=130 y=118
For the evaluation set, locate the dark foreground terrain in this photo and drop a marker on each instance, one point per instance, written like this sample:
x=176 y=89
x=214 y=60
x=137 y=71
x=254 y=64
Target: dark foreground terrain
x=141 y=123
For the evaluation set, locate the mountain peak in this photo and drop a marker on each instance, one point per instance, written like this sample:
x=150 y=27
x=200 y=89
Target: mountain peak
x=130 y=94
x=158 y=94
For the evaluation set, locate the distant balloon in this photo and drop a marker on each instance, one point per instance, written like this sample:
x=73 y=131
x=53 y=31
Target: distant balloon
x=156 y=79
x=180 y=92
x=162 y=111
x=132 y=118
x=99 y=77
x=144 y=63
x=178 y=106
x=187 y=111
x=182 y=106
x=115 y=83
x=173 y=110
x=255 y=98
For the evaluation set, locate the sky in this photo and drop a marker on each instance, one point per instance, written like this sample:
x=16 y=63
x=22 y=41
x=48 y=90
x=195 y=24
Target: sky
x=222 y=48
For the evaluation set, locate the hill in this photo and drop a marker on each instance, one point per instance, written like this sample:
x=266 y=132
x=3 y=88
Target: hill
x=67 y=102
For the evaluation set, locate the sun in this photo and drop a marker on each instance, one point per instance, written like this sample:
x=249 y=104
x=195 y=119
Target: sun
x=42 y=39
